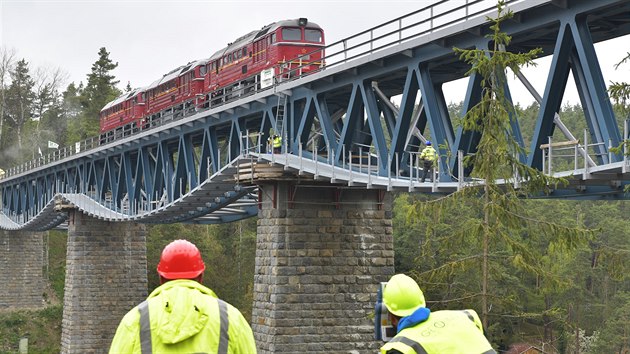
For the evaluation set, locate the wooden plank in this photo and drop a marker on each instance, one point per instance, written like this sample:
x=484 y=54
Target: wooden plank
x=560 y=144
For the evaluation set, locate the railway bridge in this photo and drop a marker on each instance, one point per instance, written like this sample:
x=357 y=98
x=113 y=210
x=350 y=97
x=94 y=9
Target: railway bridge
x=324 y=202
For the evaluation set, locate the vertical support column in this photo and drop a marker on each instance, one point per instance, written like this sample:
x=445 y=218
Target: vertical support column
x=21 y=261
x=319 y=259
x=106 y=276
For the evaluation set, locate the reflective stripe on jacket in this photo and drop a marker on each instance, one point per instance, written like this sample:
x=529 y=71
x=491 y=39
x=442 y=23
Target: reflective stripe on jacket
x=183 y=316
x=453 y=332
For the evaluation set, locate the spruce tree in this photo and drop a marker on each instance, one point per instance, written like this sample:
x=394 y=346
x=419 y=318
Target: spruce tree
x=99 y=90
x=20 y=97
x=7 y=58
x=501 y=240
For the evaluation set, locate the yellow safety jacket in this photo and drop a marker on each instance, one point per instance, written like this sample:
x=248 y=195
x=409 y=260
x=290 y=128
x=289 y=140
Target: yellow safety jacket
x=183 y=316
x=428 y=154
x=277 y=142
x=452 y=332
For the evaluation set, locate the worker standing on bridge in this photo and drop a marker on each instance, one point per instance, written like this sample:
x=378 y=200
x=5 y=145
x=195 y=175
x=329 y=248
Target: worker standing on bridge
x=429 y=158
x=275 y=141
x=181 y=315
x=418 y=330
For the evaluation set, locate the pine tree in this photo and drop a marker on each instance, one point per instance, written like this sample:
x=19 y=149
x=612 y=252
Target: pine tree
x=6 y=65
x=99 y=90
x=502 y=239
x=620 y=91
x=20 y=97
x=72 y=112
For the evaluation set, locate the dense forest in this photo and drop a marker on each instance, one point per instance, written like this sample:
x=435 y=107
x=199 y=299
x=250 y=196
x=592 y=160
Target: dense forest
x=571 y=296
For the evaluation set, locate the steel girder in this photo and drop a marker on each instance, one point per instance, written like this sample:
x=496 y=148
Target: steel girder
x=180 y=171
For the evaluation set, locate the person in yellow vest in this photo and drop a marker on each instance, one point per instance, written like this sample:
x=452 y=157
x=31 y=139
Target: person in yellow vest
x=420 y=331
x=275 y=141
x=428 y=156
x=181 y=315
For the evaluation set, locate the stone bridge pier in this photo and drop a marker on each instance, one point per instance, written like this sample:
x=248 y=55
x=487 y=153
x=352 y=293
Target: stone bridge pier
x=321 y=252
x=22 y=262
x=106 y=276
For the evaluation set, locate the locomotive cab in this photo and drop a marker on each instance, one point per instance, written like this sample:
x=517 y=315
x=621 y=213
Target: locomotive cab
x=299 y=47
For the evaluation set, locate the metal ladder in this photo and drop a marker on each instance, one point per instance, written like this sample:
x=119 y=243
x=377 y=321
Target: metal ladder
x=280 y=113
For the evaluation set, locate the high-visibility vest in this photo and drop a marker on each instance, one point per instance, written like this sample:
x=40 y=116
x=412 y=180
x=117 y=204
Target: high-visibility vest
x=183 y=316
x=453 y=332
x=277 y=142
x=428 y=154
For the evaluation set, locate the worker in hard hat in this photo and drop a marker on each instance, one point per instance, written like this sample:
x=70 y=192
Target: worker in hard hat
x=418 y=330
x=181 y=315
x=275 y=141
x=428 y=156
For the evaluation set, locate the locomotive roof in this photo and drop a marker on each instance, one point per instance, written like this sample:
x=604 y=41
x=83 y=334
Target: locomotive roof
x=193 y=64
x=122 y=98
x=249 y=37
x=166 y=77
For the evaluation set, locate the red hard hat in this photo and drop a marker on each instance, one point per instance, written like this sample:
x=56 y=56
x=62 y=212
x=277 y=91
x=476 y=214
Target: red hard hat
x=180 y=260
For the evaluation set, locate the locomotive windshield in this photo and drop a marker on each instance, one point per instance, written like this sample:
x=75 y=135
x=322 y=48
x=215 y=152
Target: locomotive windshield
x=313 y=35
x=291 y=34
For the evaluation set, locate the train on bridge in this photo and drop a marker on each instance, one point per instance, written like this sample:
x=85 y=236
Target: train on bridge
x=283 y=49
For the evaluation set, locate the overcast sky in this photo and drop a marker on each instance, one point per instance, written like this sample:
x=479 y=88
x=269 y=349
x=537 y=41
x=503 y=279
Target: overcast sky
x=150 y=38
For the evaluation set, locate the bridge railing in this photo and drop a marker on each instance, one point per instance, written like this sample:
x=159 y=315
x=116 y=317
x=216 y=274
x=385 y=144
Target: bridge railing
x=561 y=156
x=437 y=16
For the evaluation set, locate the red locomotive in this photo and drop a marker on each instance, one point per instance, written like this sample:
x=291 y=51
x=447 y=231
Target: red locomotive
x=286 y=49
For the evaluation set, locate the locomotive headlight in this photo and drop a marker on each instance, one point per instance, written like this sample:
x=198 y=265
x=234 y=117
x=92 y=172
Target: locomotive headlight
x=302 y=21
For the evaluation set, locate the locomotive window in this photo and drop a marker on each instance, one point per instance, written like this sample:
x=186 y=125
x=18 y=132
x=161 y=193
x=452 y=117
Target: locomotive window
x=291 y=34
x=202 y=70
x=273 y=38
x=312 y=35
x=244 y=52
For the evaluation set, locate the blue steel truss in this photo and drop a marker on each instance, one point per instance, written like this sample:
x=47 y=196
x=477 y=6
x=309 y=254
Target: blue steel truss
x=185 y=169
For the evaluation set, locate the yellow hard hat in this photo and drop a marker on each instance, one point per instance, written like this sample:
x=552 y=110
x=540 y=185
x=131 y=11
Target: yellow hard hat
x=402 y=295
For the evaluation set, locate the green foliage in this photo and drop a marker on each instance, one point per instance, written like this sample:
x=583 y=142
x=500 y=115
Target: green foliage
x=620 y=91
x=41 y=327
x=99 y=90
x=613 y=336
x=493 y=243
x=34 y=111
x=56 y=268
x=19 y=100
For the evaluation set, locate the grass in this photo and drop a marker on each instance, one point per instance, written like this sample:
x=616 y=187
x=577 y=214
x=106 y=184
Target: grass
x=41 y=327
